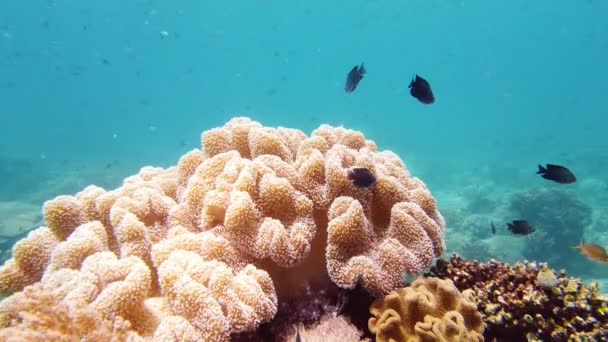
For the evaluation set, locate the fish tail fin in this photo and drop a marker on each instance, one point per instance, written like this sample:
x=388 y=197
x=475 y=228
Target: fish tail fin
x=362 y=69
x=579 y=246
x=541 y=169
x=350 y=174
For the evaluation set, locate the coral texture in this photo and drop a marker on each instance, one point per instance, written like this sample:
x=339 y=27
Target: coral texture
x=38 y=315
x=431 y=309
x=329 y=329
x=518 y=304
x=201 y=250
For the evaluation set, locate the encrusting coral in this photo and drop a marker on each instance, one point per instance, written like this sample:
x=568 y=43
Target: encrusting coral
x=430 y=309
x=528 y=302
x=208 y=247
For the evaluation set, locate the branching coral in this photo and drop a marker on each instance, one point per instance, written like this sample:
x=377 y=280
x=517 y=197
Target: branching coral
x=430 y=309
x=210 y=243
x=523 y=301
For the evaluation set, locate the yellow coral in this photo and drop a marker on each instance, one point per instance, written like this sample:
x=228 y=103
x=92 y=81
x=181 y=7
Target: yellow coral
x=430 y=309
x=213 y=299
x=63 y=214
x=86 y=240
x=264 y=210
x=261 y=193
x=30 y=258
x=39 y=307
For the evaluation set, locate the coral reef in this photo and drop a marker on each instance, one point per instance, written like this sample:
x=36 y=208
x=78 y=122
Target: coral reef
x=310 y=308
x=430 y=309
x=209 y=247
x=37 y=307
x=527 y=301
x=330 y=329
x=559 y=218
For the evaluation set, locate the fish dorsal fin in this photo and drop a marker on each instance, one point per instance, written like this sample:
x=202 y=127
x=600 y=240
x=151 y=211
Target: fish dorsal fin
x=412 y=82
x=541 y=169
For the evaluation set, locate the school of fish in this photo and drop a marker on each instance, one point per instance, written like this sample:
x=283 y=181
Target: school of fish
x=420 y=89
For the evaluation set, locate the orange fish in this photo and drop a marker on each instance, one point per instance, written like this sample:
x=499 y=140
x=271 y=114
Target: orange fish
x=592 y=251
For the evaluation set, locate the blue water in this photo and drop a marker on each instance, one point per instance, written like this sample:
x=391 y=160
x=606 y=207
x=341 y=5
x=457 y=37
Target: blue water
x=92 y=91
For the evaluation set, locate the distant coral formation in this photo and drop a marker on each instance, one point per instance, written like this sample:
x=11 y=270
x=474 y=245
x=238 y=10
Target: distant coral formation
x=430 y=309
x=560 y=218
x=528 y=302
x=208 y=247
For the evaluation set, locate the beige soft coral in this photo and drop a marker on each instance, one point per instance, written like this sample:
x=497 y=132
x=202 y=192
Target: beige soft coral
x=266 y=209
x=431 y=309
x=289 y=197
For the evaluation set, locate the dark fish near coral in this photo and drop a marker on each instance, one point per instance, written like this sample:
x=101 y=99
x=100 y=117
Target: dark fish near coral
x=354 y=77
x=493 y=228
x=421 y=90
x=361 y=177
x=556 y=173
x=520 y=227
x=592 y=251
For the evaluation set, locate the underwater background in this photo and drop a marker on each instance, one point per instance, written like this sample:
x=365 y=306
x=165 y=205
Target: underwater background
x=92 y=91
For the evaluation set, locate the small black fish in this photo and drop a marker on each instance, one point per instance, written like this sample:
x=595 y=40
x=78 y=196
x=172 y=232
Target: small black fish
x=520 y=227
x=556 y=173
x=361 y=177
x=354 y=77
x=493 y=228
x=421 y=90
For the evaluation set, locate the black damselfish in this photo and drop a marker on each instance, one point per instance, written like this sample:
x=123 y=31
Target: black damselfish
x=556 y=173
x=361 y=177
x=520 y=227
x=354 y=77
x=421 y=90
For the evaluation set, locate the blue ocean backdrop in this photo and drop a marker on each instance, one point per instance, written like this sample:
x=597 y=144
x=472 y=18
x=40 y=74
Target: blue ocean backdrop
x=92 y=91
